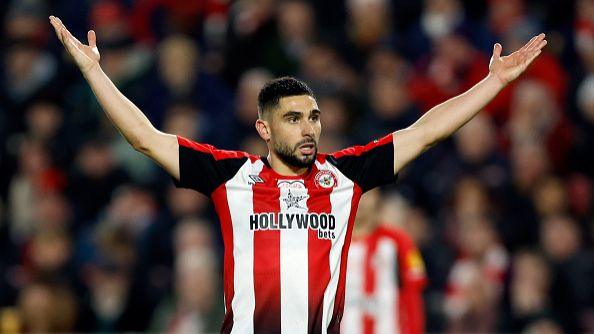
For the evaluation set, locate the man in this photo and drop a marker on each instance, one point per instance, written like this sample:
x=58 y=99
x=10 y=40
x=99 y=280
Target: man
x=385 y=277
x=287 y=218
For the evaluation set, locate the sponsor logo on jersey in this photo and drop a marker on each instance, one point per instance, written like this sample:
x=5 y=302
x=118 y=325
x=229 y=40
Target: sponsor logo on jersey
x=256 y=178
x=294 y=201
x=325 y=179
x=415 y=263
x=291 y=184
x=323 y=223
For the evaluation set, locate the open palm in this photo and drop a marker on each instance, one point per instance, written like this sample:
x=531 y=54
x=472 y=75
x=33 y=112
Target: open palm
x=85 y=56
x=507 y=68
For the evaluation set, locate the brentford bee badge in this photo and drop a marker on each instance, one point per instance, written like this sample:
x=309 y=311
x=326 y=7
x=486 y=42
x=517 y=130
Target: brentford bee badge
x=325 y=179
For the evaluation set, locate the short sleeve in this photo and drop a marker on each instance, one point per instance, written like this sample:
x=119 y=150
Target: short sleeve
x=368 y=166
x=204 y=168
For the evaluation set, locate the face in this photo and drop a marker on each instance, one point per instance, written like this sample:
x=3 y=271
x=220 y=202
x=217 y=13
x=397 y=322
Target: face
x=293 y=130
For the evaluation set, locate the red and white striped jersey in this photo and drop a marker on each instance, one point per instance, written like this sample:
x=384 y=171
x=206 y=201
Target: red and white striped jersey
x=385 y=279
x=286 y=238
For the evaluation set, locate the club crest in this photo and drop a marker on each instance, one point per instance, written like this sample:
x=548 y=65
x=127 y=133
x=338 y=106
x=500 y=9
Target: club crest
x=326 y=179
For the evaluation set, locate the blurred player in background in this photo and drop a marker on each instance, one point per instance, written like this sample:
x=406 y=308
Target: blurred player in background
x=385 y=276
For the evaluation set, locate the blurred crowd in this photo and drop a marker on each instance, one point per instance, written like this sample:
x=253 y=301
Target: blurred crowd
x=95 y=237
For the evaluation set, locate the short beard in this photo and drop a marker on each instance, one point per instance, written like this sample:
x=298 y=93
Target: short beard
x=290 y=158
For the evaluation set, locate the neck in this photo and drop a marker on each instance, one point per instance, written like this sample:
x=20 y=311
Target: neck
x=282 y=168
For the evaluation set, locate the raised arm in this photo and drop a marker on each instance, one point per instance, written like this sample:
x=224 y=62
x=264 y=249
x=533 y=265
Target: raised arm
x=444 y=119
x=128 y=119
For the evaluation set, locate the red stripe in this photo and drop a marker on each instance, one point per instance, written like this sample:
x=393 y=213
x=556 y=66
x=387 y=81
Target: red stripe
x=219 y=198
x=267 y=316
x=334 y=326
x=318 y=257
x=206 y=148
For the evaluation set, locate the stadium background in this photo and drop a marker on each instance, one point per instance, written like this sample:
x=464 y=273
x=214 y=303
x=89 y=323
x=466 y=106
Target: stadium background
x=93 y=236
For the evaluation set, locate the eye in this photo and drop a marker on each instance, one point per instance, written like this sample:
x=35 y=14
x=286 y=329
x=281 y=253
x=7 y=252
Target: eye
x=315 y=118
x=293 y=120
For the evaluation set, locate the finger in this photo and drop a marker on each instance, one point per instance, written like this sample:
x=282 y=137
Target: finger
x=69 y=42
x=92 y=38
x=536 y=41
x=56 y=27
x=497 y=50
x=525 y=47
x=67 y=35
x=530 y=44
x=59 y=27
x=542 y=44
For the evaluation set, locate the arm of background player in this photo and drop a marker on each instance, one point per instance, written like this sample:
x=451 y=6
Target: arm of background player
x=128 y=119
x=443 y=120
x=412 y=279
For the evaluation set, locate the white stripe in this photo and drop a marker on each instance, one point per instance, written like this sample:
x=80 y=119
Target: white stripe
x=240 y=207
x=340 y=199
x=352 y=321
x=293 y=261
x=384 y=261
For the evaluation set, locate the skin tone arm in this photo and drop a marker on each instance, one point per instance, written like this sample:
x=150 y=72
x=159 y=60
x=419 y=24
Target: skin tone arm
x=128 y=119
x=444 y=119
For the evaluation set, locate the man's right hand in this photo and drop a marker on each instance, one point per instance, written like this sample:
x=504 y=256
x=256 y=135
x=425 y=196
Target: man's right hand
x=86 y=57
x=128 y=119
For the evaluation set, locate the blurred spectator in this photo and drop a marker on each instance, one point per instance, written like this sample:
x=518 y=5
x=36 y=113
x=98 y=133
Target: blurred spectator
x=583 y=151
x=529 y=292
x=184 y=203
x=530 y=164
x=36 y=177
x=29 y=71
x=369 y=22
x=391 y=108
x=246 y=105
x=584 y=33
x=45 y=123
x=535 y=117
x=336 y=120
x=296 y=26
x=50 y=253
x=439 y=19
x=477 y=154
x=93 y=179
x=326 y=72
x=46 y=307
x=550 y=198
x=180 y=76
x=507 y=15
x=454 y=66
x=196 y=303
x=572 y=293
x=252 y=39
x=254 y=145
x=113 y=302
x=476 y=280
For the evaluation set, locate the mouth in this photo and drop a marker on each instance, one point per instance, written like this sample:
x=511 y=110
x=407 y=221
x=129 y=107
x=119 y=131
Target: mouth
x=307 y=148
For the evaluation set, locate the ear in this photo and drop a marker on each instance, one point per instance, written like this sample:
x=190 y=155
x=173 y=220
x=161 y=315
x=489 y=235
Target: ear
x=263 y=129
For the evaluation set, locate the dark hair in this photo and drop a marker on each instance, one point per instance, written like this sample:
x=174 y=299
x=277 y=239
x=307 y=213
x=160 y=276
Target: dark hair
x=278 y=88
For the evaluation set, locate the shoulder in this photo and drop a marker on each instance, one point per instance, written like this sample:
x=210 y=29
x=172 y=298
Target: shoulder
x=397 y=235
x=217 y=153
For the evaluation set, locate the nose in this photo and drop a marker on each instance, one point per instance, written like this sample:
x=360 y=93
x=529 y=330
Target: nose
x=307 y=129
